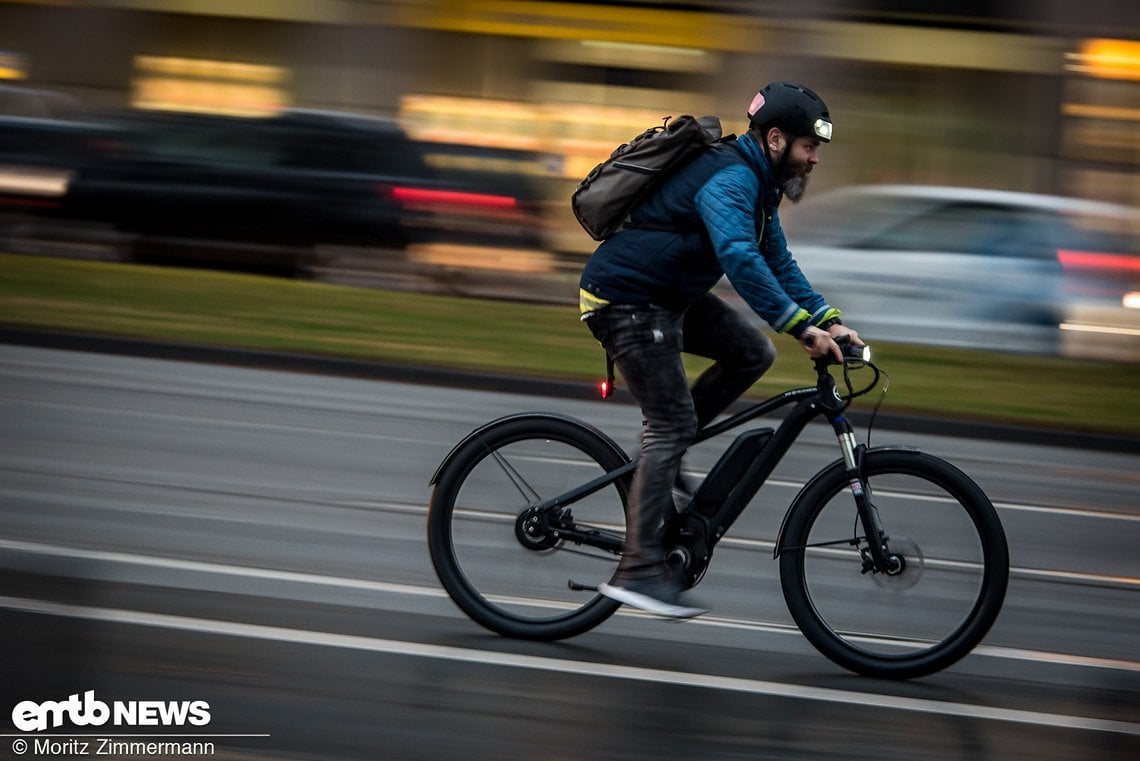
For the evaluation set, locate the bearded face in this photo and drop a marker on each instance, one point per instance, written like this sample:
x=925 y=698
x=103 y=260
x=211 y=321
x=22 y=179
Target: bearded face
x=794 y=157
x=793 y=179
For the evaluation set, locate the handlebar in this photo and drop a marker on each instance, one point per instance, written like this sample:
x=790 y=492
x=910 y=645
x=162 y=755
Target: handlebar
x=851 y=353
x=854 y=355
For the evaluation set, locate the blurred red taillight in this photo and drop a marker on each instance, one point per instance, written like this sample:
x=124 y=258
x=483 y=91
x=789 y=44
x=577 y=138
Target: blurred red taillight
x=1089 y=260
x=428 y=197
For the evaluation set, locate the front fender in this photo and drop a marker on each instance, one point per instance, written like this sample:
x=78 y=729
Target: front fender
x=483 y=429
x=827 y=472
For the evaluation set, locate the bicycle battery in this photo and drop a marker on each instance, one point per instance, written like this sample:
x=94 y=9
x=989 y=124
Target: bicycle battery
x=729 y=469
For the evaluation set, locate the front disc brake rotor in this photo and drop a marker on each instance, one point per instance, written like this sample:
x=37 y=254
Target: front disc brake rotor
x=909 y=565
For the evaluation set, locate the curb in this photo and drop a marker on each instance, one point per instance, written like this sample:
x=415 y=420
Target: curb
x=479 y=381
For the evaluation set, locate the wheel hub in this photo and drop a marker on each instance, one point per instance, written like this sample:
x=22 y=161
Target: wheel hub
x=533 y=530
x=907 y=565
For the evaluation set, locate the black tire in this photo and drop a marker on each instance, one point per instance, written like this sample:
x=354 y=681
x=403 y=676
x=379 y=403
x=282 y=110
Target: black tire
x=937 y=608
x=506 y=580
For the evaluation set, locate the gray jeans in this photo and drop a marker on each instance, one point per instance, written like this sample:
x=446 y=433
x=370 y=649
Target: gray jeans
x=645 y=343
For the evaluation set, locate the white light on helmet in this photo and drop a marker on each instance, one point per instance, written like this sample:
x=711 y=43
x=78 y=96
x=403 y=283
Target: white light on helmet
x=822 y=129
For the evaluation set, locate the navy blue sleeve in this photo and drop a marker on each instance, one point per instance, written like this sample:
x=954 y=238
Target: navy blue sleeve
x=774 y=246
x=769 y=281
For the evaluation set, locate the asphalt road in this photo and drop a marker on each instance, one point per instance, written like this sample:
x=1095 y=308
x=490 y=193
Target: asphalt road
x=254 y=539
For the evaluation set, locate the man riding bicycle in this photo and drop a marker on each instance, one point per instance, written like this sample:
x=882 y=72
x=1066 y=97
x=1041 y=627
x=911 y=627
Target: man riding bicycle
x=645 y=295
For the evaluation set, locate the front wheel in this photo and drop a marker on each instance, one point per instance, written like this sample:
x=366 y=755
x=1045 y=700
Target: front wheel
x=510 y=555
x=946 y=584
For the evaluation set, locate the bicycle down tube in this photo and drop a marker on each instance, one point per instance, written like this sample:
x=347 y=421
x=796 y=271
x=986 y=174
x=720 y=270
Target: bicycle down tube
x=725 y=493
x=718 y=508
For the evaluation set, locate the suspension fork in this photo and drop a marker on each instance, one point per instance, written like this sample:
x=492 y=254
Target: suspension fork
x=877 y=557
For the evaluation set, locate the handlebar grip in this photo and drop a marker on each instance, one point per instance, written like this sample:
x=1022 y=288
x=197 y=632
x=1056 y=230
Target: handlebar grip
x=857 y=352
x=851 y=353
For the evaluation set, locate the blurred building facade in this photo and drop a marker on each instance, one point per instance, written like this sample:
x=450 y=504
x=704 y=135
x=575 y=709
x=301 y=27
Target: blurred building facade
x=1033 y=95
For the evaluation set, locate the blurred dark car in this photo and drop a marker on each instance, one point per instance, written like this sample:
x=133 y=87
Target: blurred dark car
x=975 y=268
x=234 y=191
x=257 y=193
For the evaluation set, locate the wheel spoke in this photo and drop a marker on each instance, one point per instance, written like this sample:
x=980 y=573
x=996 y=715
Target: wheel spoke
x=529 y=495
x=945 y=584
x=532 y=572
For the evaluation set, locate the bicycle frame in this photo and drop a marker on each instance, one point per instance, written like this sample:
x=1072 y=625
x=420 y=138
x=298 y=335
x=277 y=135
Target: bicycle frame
x=720 y=509
x=743 y=469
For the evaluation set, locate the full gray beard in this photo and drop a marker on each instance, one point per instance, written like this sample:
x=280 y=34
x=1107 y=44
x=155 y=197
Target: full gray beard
x=794 y=186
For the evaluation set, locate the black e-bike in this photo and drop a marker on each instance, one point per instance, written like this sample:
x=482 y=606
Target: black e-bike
x=893 y=562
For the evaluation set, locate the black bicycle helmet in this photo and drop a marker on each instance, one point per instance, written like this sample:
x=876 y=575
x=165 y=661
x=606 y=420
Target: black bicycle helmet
x=793 y=108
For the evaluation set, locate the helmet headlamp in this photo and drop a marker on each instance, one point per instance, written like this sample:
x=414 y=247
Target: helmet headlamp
x=822 y=129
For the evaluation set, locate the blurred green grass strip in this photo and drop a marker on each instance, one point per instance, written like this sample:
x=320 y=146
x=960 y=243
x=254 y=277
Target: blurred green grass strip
x=235 y=310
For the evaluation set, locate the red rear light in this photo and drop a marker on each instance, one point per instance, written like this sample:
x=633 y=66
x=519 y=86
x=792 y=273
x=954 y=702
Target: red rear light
x=429 y=197
x=1088 y=260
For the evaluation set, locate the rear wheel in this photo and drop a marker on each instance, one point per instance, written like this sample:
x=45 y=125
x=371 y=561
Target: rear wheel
x=507 y=562
x=950 y=566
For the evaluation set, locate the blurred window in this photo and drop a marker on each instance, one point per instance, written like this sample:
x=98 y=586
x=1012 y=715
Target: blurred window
x=1087 y=242
x=352 y=151
x=849 y=221
x=978 y=229
x=206 y=144
x=1114 y=235
x=299 y=144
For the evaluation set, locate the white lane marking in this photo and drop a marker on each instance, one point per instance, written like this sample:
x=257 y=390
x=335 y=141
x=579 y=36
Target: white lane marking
x=1015 y=572
x=565 y=666
x=268 y=574
x=1074 y=512
x=221 y=569
x=242 y=425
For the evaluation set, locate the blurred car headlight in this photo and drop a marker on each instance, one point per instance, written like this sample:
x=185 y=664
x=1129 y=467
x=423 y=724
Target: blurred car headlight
x=1132 y=300
x=34 y=181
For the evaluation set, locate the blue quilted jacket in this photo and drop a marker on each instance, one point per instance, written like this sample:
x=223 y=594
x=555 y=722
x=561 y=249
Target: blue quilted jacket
x=716 y=216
